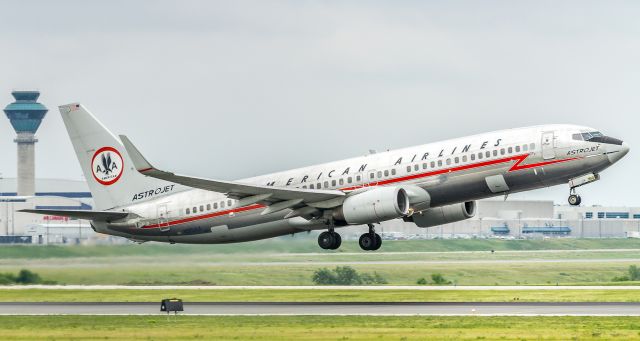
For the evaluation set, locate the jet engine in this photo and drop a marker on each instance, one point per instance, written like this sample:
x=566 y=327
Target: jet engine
x=373 y=206
x=443 y=214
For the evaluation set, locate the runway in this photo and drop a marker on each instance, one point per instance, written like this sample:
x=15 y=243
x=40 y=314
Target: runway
x=355 y=308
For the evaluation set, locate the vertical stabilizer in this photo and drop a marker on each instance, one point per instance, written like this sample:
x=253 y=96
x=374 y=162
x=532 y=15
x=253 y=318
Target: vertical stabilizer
x=105 y=163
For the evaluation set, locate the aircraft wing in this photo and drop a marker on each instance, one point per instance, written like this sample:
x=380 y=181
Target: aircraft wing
x=231 y=188
x=81 y=214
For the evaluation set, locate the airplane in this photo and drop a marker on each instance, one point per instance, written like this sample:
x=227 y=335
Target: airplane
x=428 y=185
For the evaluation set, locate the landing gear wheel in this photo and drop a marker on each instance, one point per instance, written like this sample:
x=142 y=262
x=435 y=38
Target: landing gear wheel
x=337 y=241
x=367 y=241
x=370 y=241
x=574 y=200
x=329 y=240
x=326 y=240
x=378 y=243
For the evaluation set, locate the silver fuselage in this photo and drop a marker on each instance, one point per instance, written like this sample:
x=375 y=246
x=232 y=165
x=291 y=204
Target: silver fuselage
x=451 y=171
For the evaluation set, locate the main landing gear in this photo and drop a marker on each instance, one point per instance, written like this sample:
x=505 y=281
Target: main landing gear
x=370 y=241
x=329 y=240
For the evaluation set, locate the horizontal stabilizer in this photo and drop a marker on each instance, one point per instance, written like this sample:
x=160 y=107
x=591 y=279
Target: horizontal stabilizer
x=81 y=214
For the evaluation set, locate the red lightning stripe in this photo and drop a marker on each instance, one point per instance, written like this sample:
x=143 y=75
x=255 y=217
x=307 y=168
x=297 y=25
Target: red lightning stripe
x=517 y=166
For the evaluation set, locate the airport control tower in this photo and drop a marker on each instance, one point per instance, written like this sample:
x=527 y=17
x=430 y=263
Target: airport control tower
x=25 y=115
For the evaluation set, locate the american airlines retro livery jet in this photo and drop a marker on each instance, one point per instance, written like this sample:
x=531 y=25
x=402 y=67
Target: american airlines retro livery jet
x=428 y=185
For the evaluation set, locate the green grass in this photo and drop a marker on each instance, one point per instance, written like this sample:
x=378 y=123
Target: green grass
x=305 y=245
x=271 y=263
x=317 y=328
x=157 y=272
x=318 y=295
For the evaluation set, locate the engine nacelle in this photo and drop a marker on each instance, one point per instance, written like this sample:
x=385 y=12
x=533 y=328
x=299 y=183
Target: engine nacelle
x=444 y=214
x=373 y=206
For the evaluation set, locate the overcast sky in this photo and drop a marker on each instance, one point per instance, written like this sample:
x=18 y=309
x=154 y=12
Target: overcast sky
x=238 y=88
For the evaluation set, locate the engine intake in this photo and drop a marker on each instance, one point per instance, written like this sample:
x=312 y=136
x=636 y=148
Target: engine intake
x=373 y=206
x=444 y=214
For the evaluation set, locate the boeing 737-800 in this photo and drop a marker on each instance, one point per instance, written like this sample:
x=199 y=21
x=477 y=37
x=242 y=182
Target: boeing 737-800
x=428 y=185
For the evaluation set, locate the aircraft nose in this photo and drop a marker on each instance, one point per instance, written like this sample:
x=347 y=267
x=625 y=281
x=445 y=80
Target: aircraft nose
x=618 y=153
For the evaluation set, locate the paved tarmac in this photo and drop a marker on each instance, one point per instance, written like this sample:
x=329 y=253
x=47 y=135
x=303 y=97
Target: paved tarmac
x=356 y=308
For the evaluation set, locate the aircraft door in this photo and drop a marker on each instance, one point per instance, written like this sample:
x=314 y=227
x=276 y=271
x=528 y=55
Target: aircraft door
x=163 y=219
x=368 y=178
x=548 y=144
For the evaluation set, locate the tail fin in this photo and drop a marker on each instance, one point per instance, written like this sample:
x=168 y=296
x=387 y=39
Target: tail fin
x=105 y=163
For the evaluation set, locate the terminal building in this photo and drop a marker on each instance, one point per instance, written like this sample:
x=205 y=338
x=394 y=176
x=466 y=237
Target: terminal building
x=527 y=219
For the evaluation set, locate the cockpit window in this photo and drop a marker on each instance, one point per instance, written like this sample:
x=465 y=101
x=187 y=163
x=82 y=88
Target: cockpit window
x=587 y=136
x=596 y=137
x=590 y=135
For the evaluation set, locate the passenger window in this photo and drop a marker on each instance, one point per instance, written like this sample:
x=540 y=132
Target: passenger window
x=326 y=184
x=525 y=147
x=215 y=205
x=510 y=150
x=408 y=169
x=448 y=162
x=222 y=204
x=319 y=185
x=495 y=152
x=341 y=182
x=473 y=157
x=501 y=151
x=424 y=165
x=358 y=178
x=379 y=174
x=456 y=159
x=464 y=158
x=487 y=154
x=479 y=155
x=195 y=210
x=393 y=171
x=312 y=186
x=349 y=180
x=230 y=203
x=416 y=167
x=333 y=183
x=386 y=173
x=208 y=207
x=201 y=208
x=439 y=163
x=305 y=186
x=517 y=149
x=188 y=211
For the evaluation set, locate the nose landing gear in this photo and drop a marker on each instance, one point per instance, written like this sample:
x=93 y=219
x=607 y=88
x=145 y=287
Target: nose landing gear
x=574 y=199
x=370 y=241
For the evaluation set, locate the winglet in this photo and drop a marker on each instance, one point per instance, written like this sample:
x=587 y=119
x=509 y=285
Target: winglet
x=141 y=164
